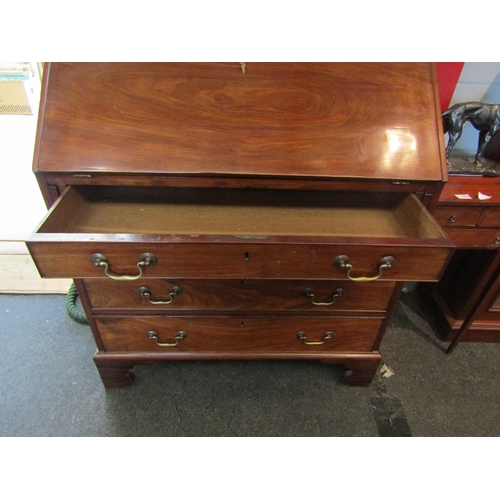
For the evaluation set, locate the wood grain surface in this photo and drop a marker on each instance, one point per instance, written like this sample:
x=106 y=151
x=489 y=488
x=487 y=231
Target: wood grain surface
x=238 y=334
x=236 y=295
x=322 y=120
x=239 y=213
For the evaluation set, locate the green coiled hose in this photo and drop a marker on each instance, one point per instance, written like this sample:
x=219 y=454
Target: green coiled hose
x=73 y=312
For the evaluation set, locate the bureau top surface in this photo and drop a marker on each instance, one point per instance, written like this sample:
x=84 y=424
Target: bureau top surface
x=314 y=120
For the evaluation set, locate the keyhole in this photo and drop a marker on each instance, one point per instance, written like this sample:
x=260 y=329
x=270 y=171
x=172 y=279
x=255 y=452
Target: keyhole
x=242 y=324
x=247 y=256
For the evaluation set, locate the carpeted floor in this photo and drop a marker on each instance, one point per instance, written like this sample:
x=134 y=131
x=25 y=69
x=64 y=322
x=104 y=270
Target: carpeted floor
x=49 y=386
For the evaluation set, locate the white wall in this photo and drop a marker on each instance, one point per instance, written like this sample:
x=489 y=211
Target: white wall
x=479 y=81
x=21 y=203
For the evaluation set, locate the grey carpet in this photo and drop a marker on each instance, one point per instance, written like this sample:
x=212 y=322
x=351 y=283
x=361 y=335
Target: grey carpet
x=49 y=386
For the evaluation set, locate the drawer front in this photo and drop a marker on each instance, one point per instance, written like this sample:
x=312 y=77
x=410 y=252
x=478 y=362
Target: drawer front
x=449 y=216
x=414 y=262
x=238 y=334
x=475 y=238
x=256 y=295
x=491 y=218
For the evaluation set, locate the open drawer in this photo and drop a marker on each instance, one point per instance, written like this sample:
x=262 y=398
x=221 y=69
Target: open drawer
x=125 y=233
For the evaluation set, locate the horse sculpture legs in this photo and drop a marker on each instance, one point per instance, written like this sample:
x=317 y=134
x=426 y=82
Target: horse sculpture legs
x=484 y=117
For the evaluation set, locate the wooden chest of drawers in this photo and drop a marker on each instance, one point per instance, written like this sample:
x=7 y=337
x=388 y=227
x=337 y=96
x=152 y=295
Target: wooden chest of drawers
x=207 y=213
x=467 y=286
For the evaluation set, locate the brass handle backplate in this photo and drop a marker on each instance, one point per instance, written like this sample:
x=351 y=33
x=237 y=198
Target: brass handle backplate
x=303 y=337
x=100 y=260
x=344 y=262
x=339 y=292
x=153 y=335
x=144 y=291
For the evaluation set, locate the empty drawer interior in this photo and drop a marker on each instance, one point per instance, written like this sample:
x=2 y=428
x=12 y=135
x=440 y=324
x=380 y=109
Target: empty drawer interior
x=239 y=212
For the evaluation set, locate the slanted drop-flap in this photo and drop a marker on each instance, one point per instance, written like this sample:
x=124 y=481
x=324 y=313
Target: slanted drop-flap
x=286 y=120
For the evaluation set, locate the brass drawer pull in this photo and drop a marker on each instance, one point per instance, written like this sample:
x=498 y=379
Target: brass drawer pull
x=327 y=336
x=453 y=218
x=153 y=335
x=144 y=291
x=147 y=259
x=339 y=292
x=343 y=262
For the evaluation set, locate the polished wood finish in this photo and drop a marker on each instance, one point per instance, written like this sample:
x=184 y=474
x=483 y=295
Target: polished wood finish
x=115 y=368
x=114 y=372
x=463 y=302
x=361 y=369
x=288 y=235
x=238 y=334
x=242 y=260
x=477 y=326
x=317 y=120
x=246 y=187
x=452 y=216
x=53 y=184
x=240 y=294
x=479 y=239
x=490 y=218
x=471 y=185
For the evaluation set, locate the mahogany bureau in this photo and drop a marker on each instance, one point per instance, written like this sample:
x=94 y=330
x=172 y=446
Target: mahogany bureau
x=239 y=211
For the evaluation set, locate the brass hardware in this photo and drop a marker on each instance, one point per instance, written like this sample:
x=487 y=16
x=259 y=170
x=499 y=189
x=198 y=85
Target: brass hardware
x=147 y=259
x=144 y=291
x=302 y=336
x=246 y=256
x=153 y=335
x=339 y=292
x=497 y=240
x=243 y=67
x=453 y=218
x=343 y=262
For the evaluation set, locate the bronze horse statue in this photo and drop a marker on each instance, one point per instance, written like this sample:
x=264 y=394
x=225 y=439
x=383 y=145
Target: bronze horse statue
x=484 y=117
